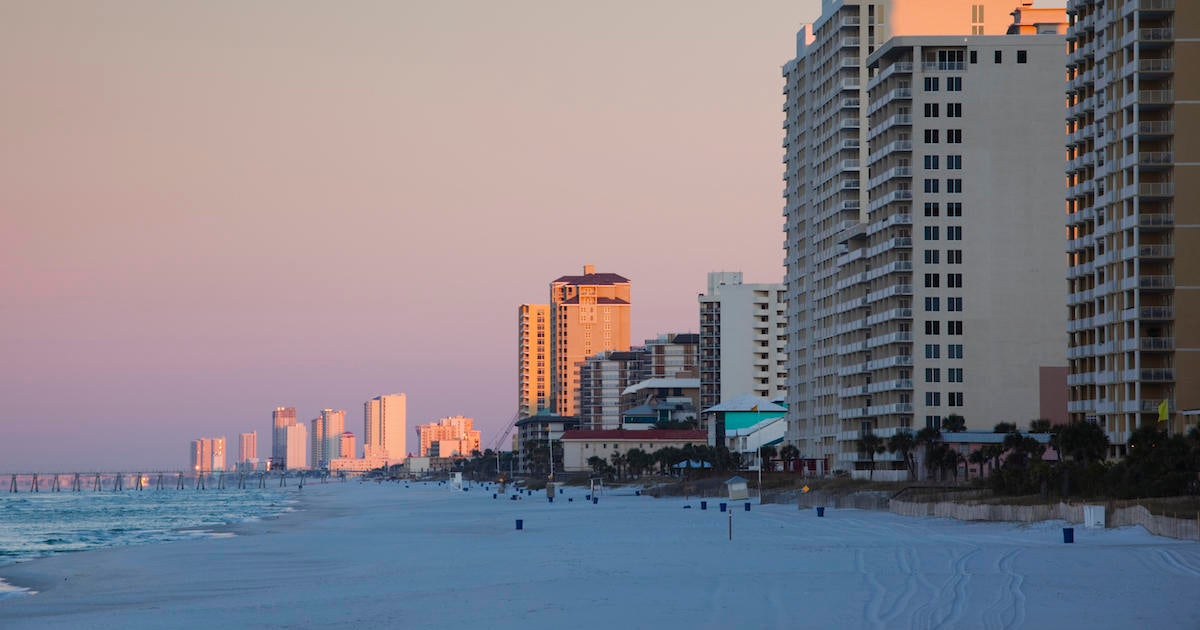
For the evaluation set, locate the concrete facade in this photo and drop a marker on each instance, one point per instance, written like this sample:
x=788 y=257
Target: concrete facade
x=1133 y=228
x=533 y=359
x=589 y=314
x=385 y=427
x=743 y=339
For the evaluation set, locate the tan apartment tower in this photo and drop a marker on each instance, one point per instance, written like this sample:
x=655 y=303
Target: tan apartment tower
x=854 y=298
x=385 y=427
x=589 y=314
x=1133 y=222
x=447 y=436
x=533 y=359
x=281 y=419
x=248 y=451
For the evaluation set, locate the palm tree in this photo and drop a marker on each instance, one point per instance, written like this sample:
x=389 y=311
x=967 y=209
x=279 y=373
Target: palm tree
x=954 y=423
x=1041 y=425
x=789 y=454
x=765 y=453
x=618 y=461
x=904 y=442
x=978 y=458
x=870 y=444
x=1005 y=427
x=927 y=438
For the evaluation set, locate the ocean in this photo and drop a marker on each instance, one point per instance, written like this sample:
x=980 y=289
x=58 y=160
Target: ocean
x=38 y=524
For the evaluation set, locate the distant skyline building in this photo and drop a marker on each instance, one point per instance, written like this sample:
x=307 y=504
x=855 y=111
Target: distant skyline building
x=248 y=450
x=921 y=202
x=208 y=455
x=533 y=359
x=590 y=313
x=281 y=419
x=602 y=378
x=743 y=339
x=1134 y=221
x=346 y=445
x=296 y=453
x=326 y=436
x=385 y=427
x=458 y=432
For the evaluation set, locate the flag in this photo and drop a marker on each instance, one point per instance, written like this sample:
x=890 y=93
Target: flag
x=1162 y=411
x=754 y=408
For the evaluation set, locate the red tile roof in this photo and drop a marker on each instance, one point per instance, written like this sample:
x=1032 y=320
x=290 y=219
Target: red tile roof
x=618 y=435
x=593 y=278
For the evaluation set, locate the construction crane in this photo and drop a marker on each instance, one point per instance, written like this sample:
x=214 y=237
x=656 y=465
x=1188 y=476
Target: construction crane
x=495 y=445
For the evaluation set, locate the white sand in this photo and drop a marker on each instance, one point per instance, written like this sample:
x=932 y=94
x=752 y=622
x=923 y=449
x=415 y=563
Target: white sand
x=382 y=556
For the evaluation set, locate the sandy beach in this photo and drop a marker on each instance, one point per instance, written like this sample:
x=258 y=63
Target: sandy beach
x=388 y=556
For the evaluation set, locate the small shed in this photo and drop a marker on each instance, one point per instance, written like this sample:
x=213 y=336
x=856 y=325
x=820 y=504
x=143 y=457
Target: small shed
x=737 y=489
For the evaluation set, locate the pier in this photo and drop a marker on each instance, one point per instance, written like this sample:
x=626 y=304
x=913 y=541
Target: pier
x=159 y=480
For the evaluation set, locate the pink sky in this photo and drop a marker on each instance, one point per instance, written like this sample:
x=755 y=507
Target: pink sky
x=208 y=209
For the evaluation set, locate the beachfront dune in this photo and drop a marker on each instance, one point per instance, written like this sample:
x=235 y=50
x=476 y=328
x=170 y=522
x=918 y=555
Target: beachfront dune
x=387 y=556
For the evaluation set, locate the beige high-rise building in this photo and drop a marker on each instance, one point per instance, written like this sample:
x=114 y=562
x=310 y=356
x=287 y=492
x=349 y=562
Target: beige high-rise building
x=208 y=455
x=385 y=427
x=533 y=359
x=326 y=436
x=743 y=339
x=456 y=430
x=281 y=419
x=297 y=450
x=248 y=450
x=589 y=314
x=1133 y=226
x=922 y=280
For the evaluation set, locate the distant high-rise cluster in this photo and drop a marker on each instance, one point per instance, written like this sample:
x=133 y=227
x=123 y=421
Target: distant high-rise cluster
x=281 y=419
x=208 y=455
x=455 y=435
x=384 y=427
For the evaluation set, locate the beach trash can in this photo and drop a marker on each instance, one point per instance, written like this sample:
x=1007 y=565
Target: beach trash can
x=1068 y=535
x=493 y=495
x=550 y=499
x=820 y=511
x=520 y=523
x=704 y=505
x=595 y=500
x=724 y=506
x=637 y=493
x=747 y=506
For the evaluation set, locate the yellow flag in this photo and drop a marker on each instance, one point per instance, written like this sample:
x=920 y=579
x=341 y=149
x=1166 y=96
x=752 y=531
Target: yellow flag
x=754 y=408
x=804 y=489
x=1162 y=411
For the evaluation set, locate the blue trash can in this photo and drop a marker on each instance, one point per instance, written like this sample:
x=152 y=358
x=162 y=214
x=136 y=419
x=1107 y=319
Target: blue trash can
x=704 y=505
x=820 y=511
x=570 y=499
x=637 y=493
x=520 y=524
x=1068 y=535
x=550 y=499
x=747 y=506
x=493 y=495
x=595 y=500
x=724 y=507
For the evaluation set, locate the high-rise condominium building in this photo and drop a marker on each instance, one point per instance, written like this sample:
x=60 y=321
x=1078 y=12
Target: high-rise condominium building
x=533 y=359
x=385 y=427
x=602 y=378
x=248 y=450
x=743 y=339
x=281 y=419
x=922 y=280
x=456 y=430
x=589 y=314
x=296 y=441
x=1133 y=226
x=326 y=436
x=208 y=455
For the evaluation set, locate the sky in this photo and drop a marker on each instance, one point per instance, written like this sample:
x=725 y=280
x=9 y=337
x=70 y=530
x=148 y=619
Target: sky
x=211 y=209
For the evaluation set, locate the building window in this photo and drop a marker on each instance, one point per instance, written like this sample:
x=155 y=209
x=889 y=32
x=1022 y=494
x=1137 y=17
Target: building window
x=933 y=351
x=931 y=209
x=931 y=232
x=954 y=350
x=933 y=375
x=931 y=280
x=954 y=280
x=954 y=162
x=955 y=399
x=931 y=257
x=953 y=84
x=933 y=422
x=931 y=136
x=954 y=136
x=933 y=399
x=954 y=209
x=999 y=56
x=1022 y=56
x=931 y=185
x=954 y=375
x=974 y=56
x=931 y=162
x=933 y=304
x=954 y=327
x=931 y=84
x=954 y=185
x=931 y=110
x=953 y=110
x=954 y=304
x=933 y=328
x=954 y=233
x=954 y=256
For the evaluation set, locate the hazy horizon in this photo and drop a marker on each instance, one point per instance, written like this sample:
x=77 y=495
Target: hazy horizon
x=214 y=209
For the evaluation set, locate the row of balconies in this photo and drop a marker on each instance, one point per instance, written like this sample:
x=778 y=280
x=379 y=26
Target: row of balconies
x=888 y=123
x=1148 y=37
x=894 y=94
x=895 y=171
x=1148 y=7
x=900 y=67
x=1148 y=98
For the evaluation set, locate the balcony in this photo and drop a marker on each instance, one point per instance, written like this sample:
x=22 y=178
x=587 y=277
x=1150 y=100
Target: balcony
x=1156 y=190
x=1156 y=344
x=1147 y=220
x=1156 y=251
x=1158 y=375
x=901 y=194
x=1156 y=128
x=1155 y=160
